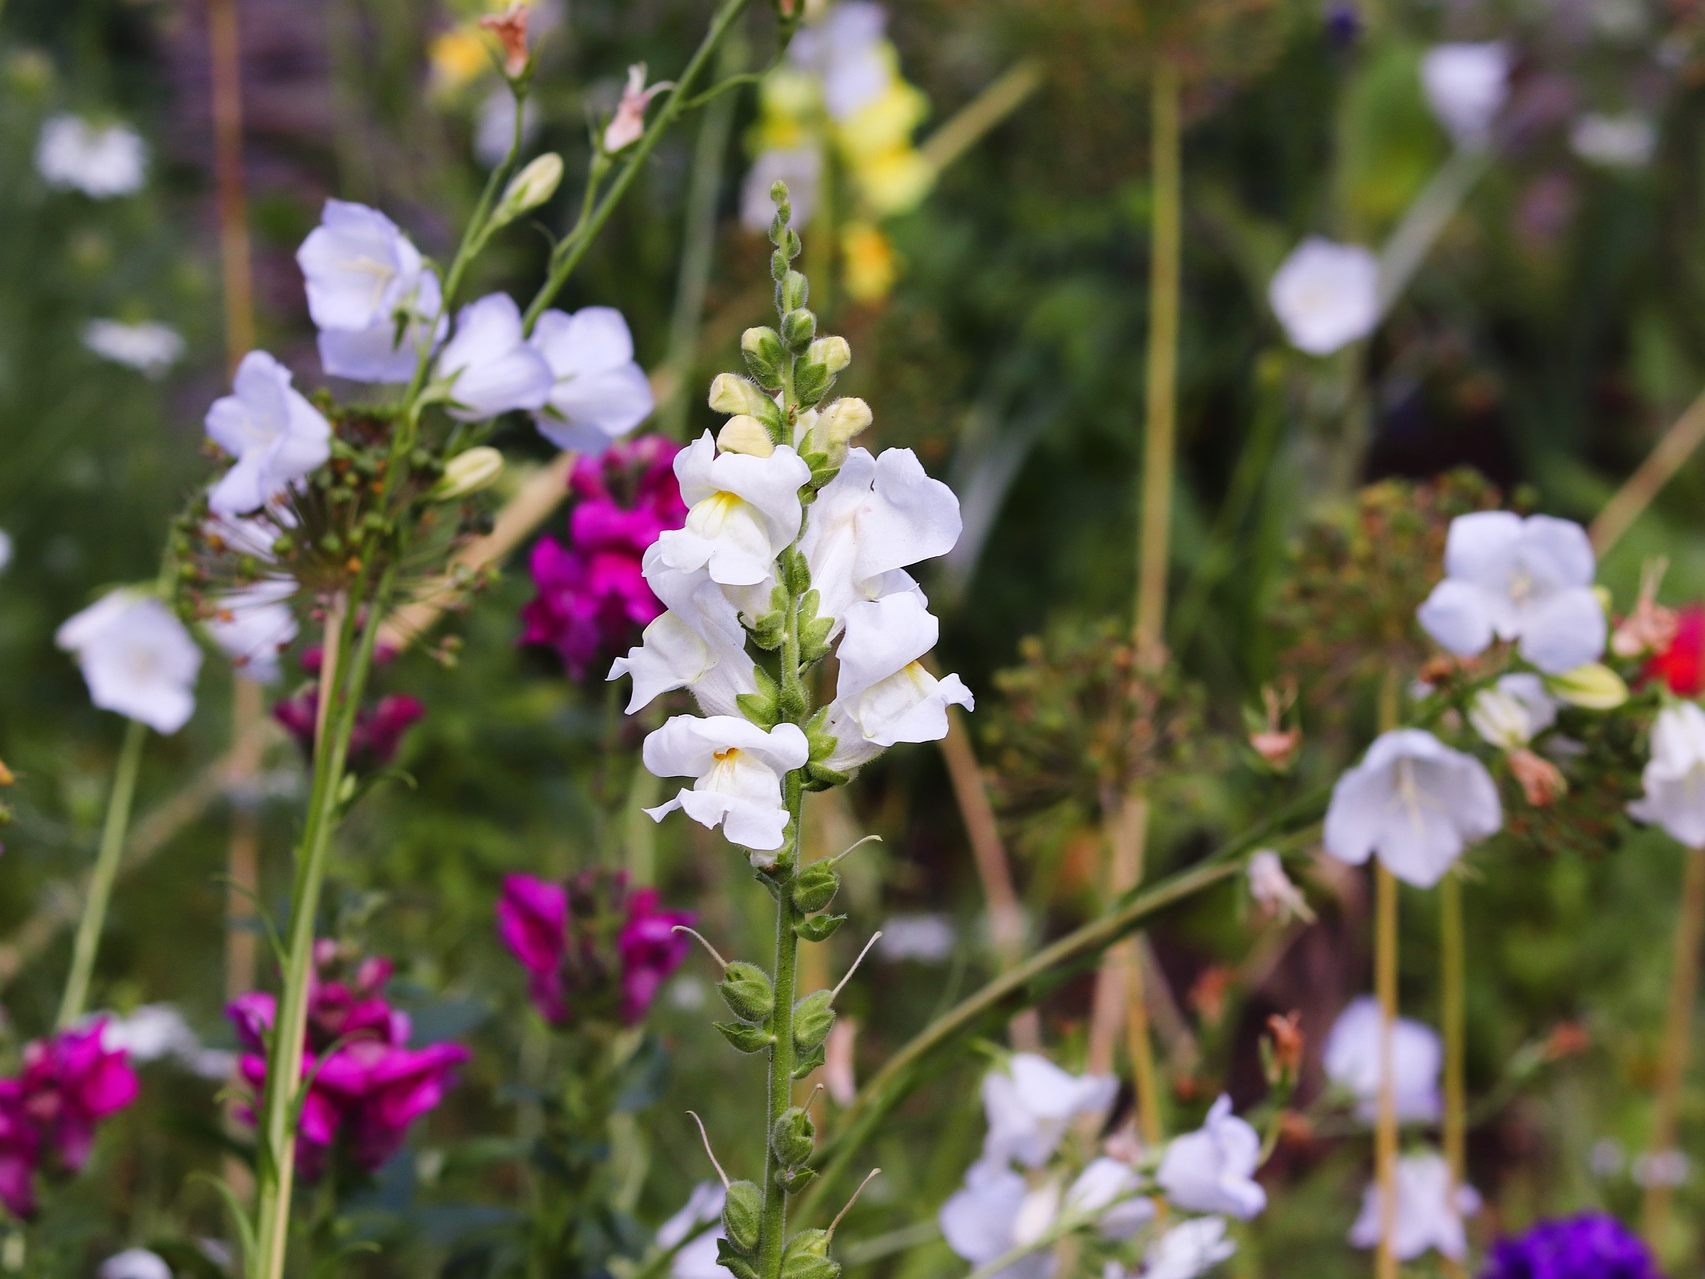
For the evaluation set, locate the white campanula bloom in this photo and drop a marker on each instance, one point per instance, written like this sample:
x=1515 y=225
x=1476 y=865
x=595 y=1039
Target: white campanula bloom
x=149 y=348
x=388 y=351
x=687 y=1231
x=1030 y=1103
x=1674 y=777
x=359 y=267
x=697 y=643
x=269 y=427
x=253 y=625
x=1528 y=580
x=598 y=392
x=1428 y=1217
x=876 y=517
x=1109 y=1192
x=1326 y=295
x=737 y=769
x=1513 y=711
x=487 y=365
x=1415 y=804
x=996 y=1212
x=1466 y=85
x=1353 y=1058
x=800 y=167
x=1213 y=1168
x=134 y=1263
x=136 y=658
x=847 y=54
x=1188 y=1250
x=100 y=160
x=1614 y=141
x=742 y=512
x=884 y=695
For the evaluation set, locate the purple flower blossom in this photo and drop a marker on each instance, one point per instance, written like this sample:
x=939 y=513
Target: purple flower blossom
x=592 y=598
x=379 y=727
x=1591 y=1246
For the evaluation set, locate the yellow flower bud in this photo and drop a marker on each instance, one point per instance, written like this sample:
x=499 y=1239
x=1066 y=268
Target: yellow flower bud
x=840 y=423
x=745 y=434
x=832 y=353
x=730 y=393
x=1594 y=687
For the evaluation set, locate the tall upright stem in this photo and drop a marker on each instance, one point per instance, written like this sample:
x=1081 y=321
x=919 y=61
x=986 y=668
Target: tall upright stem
x=1678 y=1035
x=1453 y=973
x=772 y=1237
x=1385 y=1125
x=87 y=942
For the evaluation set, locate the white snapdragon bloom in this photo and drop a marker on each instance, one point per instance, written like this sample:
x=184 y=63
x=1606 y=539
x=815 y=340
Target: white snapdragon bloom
x=134 y=1263
x=1030 y=1104
x=1428 y=1216
x=269 y=427
x=1352 y=1060
x=487 y=366
x=1674 y=777
x=149 y=348
x=136 y=657
x=995 y=1213
x=1513 y=711
x=878 y=515
x=1413 y=802
x=1326 y=295
x=1466 y=85
x=697 y=1258
x=359 y=267
x=884 y=695
x=1213 y=1168
x=697 y=643
x=100 y=160
x=1524 y=580
x=389 y=350
x=1188 y=1250
x=253 y=625
x=598 y=392
x=743 y=511
x=738 y=769
x=847 y=54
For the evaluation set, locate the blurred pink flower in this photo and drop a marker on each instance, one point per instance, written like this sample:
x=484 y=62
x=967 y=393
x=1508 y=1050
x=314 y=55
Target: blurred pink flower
x=379 y=727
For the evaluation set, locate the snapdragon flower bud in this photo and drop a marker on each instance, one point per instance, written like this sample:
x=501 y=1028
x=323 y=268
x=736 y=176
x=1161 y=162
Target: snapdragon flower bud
x=468 y=472
x=837 y=426
x=832 y=353
x=529 y=188
x=731 y=393
x=1593 y=687
x=743 y=433
x=764 y=354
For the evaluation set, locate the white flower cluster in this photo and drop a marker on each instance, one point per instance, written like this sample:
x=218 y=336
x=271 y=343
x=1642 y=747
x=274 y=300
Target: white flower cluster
x=99 y=160
x=1015 y=1205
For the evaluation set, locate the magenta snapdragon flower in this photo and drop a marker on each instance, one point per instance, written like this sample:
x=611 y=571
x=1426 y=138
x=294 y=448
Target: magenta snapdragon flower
x=379 y=726
x=592 y=947
x=49 y=1111
x=371 y=1085
x=1591 y=1246
x=592 y=598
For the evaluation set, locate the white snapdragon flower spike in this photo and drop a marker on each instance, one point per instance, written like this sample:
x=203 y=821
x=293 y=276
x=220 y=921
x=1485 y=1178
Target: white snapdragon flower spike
x=1674 y=777
x=100 y=160
x=1614 y=141
x=488 y=366
x=598 y=392
x=1513 y=711
x=1415 y=804
x=136 y=657
x=269 y=427
x=1352 y=1060
x=252 y=625
x=1529 y=581
x=389 y=350
x=1030 y=1105
x=1326 y=295
x=1466 y=85
x=742 y=512
x=884 y=695
x=359 y=267
x=1188 y=1250
x=149 y=348
x=996 y=1213
x=1213 y=1169
x=697 y=643
x=738 y=769
x=876 y=517
x=1428 y=1217
x=846 y=52
x=134 y=1263
x=686 y=1230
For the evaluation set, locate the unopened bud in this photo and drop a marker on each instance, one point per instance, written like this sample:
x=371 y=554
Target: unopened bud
x=730 y=393
x=742 y=1214
x=1542 y=782
x=832 y=353
x=745 y=434
x=530 y=188
x=1283 y=1047
x=1593 y=687
x=510 y=28
x=764 y=355
x=467 y=473
x=843 y=421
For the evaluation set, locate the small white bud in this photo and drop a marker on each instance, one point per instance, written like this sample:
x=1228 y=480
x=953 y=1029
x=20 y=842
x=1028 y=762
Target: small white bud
x=530 y=188
x=1593 y=687
x=832 y=353
x=467 y=473
x=745 y=434
x=731 y=393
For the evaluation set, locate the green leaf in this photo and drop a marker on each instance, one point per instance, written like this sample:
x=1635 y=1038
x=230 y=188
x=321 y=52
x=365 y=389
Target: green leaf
x=818 y=928
x=748 y=1039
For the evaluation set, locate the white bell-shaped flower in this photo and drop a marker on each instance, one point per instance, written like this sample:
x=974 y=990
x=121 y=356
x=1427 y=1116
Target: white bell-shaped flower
x=136 y=658
x=487 y=365
x=252 y=625
x=1513 y=711
x=884 y=695
x=697 y=644
x=269 y=427
x=1674 y=776
x=359 y=268
x=1524 y=580
x=1109 y=1193
x=389 y=350
x=742 y=512
x=1030 y=1104
x=1466 y=85
x=1428 y=1216
x=1213 y=1168
x=598 y=392
x=148 y=347
x=738 y=770
x=1352 y=1060
x=1326 y=295
x=997 y=1213
x=1188 y=1250
x=1415 y=804
x=134 y=1263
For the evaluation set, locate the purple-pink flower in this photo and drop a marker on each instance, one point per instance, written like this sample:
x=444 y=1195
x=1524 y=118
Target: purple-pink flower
x=368 y=1085
x=50 y=1109
x=379 y=727
x=592 y=598
x=593 y=947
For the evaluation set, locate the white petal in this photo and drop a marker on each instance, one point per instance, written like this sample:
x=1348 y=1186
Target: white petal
x=1566 y=631
x=1459 y=616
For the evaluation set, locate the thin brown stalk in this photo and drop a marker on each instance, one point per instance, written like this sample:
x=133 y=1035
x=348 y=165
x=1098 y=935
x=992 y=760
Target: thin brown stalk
x=1667 y=457
x=1678 y=1035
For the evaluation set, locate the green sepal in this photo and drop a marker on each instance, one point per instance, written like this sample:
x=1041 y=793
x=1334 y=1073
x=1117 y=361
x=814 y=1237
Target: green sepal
x=747 y=1039
x=769 y=631
x=764 y=354
x=812 y=1017
x=821 y=777
x=811 y=382
x=798 y=329
x=793 y=290
x=737 y=1264
x=814 y=639
x=796 y=575
x=818 y=928
x=807 y=1257
x=760 y=707
x=793 y=1137
x=743 y=1215
x=746 y=989
x=815 y=887
x=793 y=1180
x=807 y=1062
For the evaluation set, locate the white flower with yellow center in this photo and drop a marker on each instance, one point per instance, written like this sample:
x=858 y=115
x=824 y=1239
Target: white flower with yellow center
x=737 y=769
x=697 y=644
x=743 y=511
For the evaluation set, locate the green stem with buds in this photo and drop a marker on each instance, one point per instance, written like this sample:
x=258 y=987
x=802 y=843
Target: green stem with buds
x=773 y=1230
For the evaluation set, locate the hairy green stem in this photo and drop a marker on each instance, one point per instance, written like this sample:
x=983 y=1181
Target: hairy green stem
x=87 y=943
x=772 y=1238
